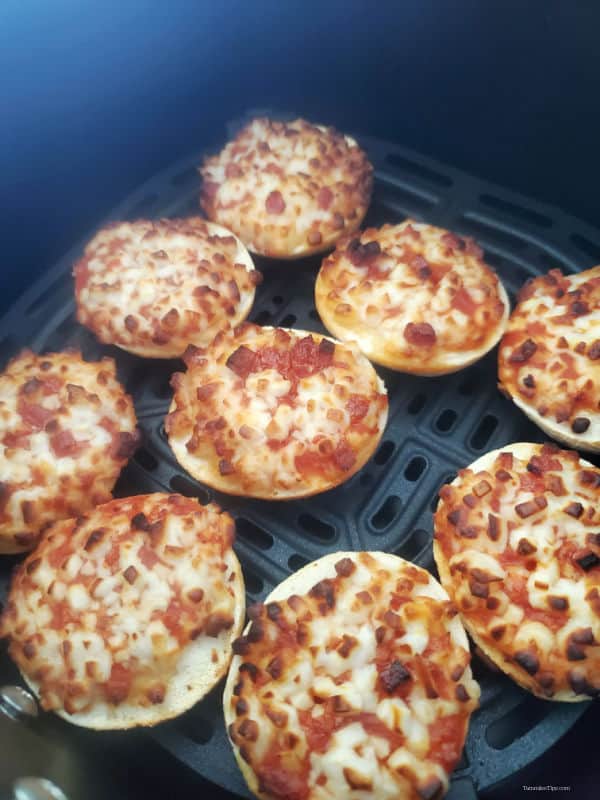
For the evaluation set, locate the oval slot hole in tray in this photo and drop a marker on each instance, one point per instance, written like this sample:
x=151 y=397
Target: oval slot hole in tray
x=413 y=544
x=251 y=533
x=145 y=459
x=262 y=317
x=446 y=420
x=196 y=728
x=484 y=432
x=419 y=170
x=415 y=468
x=188 y=488
x=319 y=528
x=296 y=561
x=514 y=210
x=516 y=723
x=416 y=404
x=288 y=321
x=487 y=231
x=385 y=452
x=387 y=513
x=254 y=583
x=591 y=249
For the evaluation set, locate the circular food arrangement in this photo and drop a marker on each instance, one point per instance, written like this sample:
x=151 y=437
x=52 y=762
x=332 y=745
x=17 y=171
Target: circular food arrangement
x=352 y=677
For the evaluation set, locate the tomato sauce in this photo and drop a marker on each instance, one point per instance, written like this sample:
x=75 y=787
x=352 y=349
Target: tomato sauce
x=118 y=685
x=33 y=414
x=319 y=730
x=446 y=740
x=516 y=589
x=280 y=781
x=462 y=301
x=358 y=407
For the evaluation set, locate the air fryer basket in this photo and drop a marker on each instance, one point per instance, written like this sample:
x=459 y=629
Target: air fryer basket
x=436 y=426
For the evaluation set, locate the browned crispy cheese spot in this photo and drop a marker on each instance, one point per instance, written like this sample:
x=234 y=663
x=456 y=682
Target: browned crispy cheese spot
x=357 y=781
x=393 y=675
x=218 y=622
x=345 y=567
x=528 y=661
x=523 y=352
x=324 y=590
x=574 y=510
x=580 y=425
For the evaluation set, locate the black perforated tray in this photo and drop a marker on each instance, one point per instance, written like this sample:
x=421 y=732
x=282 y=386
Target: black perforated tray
x=435 y=427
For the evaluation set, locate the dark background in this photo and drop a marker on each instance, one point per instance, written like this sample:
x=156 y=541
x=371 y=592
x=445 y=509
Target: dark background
x=95 y=97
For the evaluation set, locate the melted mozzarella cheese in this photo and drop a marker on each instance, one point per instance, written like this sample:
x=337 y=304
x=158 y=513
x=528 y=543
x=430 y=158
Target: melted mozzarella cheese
x=540 y=595
x=61 y=423
x=375 y=308
x=125 y=598
x=321 y=181
x=155 y=287
x=262 y=426
x=561 y=379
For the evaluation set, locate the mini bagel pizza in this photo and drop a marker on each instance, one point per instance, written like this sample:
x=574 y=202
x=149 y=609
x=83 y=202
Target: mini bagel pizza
x=287 y=189
x=67 y=428
x=415 y=298
x=126 y=616
x=352 y=680
x=275 y=413
x=518 y=550
x=153 y=287
x=549 y=358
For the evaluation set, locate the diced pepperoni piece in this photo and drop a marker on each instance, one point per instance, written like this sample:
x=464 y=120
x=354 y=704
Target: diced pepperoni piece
x=124 y=444
x=275 y=204
x=272 y=358
x=344 y=456
x=420 y=334
x=594 y=351
x=324 y=197
x=210 y=188
x=309 y=462
x=232 y=170
x=117 y=686
x=358 y=407
x=242 y=361
x=523 y=352
x=326 y=352
x=64 y=444
x=148 y=557
x=304 y=357
x=453 y=241
x=34 y=414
